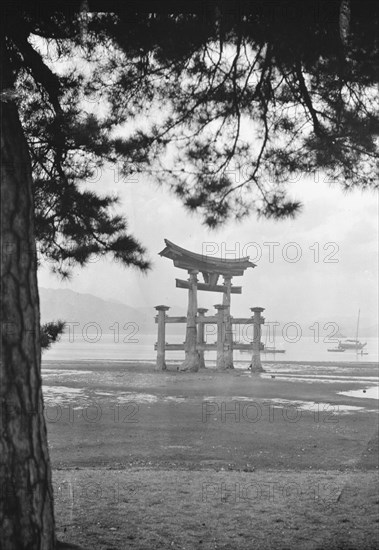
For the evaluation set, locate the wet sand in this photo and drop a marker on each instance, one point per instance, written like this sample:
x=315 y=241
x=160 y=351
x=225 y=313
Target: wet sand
x=124 y=421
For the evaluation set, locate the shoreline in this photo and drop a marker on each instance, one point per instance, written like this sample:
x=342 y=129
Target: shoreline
x=151 y=362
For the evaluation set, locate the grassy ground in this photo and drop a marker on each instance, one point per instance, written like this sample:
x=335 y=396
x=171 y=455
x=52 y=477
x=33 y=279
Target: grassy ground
x=213 y=460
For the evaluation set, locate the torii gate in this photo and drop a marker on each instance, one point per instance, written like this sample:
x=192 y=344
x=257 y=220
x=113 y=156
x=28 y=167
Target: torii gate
x=211 y=269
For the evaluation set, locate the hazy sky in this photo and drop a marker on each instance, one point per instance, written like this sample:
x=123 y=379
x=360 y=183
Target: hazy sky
x=344 y=278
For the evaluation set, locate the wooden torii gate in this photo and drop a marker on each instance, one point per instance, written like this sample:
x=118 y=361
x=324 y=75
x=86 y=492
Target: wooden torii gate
x=211 y=269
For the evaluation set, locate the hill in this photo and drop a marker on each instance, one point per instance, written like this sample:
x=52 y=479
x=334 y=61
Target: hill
x=75 y=307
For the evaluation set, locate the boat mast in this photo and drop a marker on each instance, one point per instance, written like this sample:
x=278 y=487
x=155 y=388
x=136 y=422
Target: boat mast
x=356 y=336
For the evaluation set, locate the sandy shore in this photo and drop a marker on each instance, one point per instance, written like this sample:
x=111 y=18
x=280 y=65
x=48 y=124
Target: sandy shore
x=134 y=450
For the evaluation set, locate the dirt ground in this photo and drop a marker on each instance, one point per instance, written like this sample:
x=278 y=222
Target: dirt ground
x=213 y=460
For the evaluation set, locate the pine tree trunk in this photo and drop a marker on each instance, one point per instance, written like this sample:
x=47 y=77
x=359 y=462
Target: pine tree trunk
x=26 y=506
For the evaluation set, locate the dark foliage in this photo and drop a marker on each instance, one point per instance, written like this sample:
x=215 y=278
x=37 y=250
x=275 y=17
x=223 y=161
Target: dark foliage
x=221 y=102
x=50 y=333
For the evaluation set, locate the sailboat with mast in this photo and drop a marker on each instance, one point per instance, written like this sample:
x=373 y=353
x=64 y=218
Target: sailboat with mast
x=353 y=344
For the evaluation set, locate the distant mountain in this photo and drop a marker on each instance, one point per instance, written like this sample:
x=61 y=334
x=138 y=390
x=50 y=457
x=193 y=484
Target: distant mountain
x=347 y=327
x=81 y=308
x=74 y=307
x=328 y=327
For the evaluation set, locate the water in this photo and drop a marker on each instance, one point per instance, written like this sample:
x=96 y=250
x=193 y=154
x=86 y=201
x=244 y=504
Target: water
x=106 y=347
x=366 y=393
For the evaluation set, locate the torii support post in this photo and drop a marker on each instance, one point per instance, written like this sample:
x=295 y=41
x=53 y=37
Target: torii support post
x=228 y=353
x=200 y=335
x=258 y=320
x=220 y=362
x=161 y=344
x=192 y=360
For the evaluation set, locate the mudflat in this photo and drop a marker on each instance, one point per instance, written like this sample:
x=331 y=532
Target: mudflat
x=146 y=459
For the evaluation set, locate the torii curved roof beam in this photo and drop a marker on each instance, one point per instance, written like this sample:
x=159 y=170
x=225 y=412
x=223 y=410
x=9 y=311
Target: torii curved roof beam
x=208 y=265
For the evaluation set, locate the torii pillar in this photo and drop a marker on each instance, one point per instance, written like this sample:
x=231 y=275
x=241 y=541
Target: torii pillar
x=192 y=358
x=220 y=361
x=258 y=320
x=161 y=344
x=200 y=335
x=228 y=354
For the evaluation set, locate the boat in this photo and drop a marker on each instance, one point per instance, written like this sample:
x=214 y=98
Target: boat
x=265 y=349
x=249 y=351
x=351 y=343
x=272 y=349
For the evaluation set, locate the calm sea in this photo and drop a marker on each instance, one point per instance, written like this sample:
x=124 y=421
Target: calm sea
x=140 y=347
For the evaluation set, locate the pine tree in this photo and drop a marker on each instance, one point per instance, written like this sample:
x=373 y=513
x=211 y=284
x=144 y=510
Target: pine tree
x=220 y=102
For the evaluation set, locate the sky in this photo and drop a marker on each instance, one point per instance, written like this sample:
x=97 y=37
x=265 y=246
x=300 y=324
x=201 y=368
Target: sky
x=321 y=265
x=324 y=264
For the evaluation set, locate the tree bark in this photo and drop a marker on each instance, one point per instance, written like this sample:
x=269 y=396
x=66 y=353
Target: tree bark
x=26 y=500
